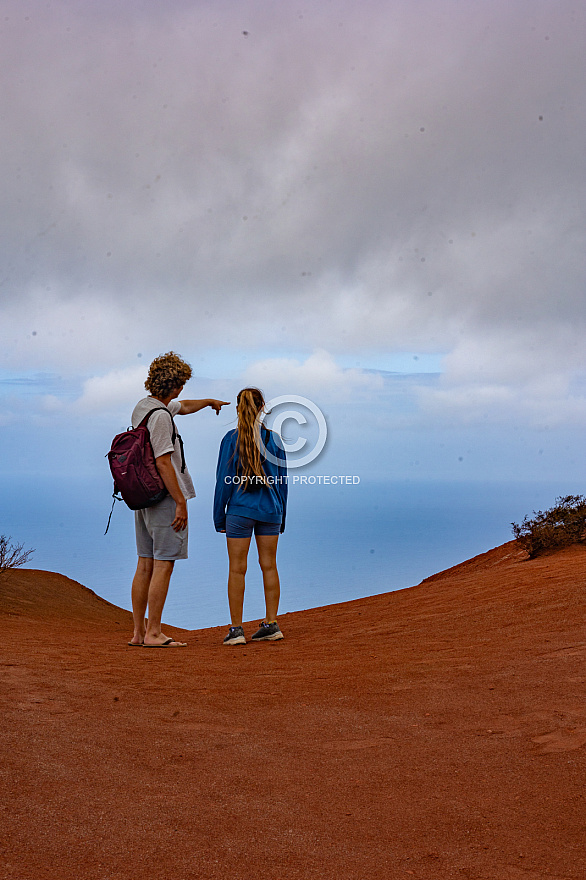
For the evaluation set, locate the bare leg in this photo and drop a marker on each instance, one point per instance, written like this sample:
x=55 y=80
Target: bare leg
x=237 y=556
x=267 y=557
x=159 y=585
x=149 y=590
x=140 y=597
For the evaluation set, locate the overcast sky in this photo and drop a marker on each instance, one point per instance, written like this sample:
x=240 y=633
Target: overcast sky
x=300 y=195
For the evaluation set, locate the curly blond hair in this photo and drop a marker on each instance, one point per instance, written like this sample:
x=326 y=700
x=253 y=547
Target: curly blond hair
x=166 y=373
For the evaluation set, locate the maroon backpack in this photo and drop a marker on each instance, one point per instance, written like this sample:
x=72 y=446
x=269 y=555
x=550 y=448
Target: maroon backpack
x=132 y=463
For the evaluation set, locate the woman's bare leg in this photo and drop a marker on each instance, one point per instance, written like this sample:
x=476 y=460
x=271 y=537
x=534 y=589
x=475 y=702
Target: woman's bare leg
x=267 y=557
x=237 y=556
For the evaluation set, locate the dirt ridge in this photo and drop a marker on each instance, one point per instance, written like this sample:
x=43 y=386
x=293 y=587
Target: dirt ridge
x=433 y=732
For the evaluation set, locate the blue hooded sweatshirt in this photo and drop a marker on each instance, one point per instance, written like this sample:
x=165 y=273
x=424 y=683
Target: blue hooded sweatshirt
x=265 y=503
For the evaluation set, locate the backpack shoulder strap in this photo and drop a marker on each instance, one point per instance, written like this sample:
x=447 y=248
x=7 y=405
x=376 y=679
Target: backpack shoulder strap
x=175 y=434
x=150 y=412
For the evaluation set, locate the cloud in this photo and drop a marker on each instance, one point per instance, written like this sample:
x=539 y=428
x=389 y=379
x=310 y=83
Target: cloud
x=115 y=391
x=51 y=404
x=349 y=177
x=514 y=355
x=531 y=406
x=83 y=330
x=318 y=375
x=513 y=378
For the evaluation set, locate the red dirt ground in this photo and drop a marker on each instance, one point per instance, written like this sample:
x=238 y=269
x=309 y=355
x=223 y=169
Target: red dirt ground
x=435 y=732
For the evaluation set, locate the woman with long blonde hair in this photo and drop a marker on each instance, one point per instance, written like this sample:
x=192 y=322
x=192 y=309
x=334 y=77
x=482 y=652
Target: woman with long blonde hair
x=251 y=496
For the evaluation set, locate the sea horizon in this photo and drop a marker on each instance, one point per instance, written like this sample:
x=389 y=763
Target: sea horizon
x=341 y=542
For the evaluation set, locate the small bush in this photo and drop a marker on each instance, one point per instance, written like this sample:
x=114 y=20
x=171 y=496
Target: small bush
x=12 y=555
x=561 y=525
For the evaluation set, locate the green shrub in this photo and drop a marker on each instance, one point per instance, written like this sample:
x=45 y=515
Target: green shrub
x=561 y=525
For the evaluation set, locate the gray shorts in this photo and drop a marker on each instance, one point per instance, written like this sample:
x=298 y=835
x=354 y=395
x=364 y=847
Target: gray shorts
x=155 y=536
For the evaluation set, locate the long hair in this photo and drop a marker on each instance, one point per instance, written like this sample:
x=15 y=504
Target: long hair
x=250 y=403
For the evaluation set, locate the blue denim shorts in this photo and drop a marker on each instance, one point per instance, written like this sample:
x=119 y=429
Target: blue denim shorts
x=244 y=526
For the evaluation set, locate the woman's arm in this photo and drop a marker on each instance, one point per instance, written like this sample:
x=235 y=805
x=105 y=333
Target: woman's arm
x=224 y=481
x=282 y=486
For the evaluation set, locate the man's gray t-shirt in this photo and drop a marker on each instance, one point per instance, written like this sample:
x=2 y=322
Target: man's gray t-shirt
x=161 y=431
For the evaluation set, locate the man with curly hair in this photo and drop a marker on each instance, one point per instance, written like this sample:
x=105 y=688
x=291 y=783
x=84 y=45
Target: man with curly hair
x=161 y=530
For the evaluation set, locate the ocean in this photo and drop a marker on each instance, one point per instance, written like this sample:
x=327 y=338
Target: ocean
x=341 y=542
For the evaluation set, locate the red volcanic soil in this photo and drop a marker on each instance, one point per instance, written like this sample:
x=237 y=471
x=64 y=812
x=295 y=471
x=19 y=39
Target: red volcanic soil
x=436 y=732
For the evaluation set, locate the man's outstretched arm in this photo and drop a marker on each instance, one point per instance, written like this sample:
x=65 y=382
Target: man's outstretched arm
x=192 y=406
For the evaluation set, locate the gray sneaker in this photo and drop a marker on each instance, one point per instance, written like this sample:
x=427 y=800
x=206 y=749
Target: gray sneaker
x=235 y=636
x=268 y=632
